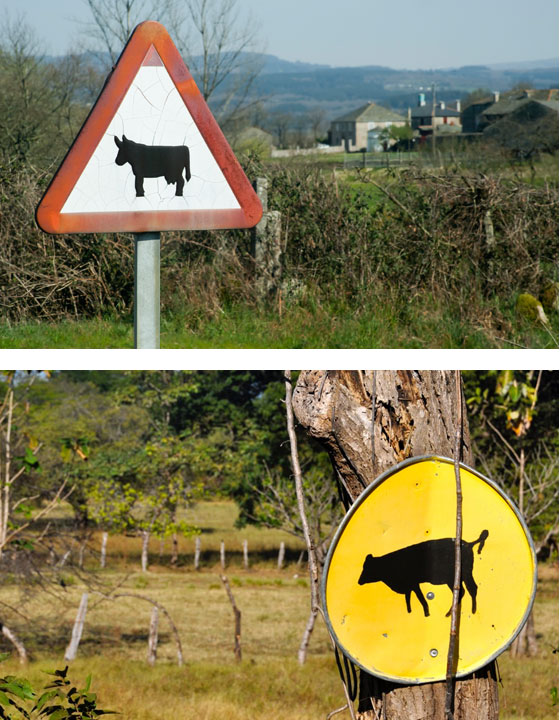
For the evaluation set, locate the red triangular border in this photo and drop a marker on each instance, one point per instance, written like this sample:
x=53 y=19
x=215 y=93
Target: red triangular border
x=147 y=36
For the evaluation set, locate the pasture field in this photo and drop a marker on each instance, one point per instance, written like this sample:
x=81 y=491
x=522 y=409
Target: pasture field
x=274 y=603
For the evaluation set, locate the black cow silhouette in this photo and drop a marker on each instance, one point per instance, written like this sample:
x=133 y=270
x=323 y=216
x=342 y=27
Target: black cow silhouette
x=168 y=161
x=432 y=561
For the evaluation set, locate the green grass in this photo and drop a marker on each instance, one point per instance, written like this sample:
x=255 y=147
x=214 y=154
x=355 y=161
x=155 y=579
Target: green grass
x=419 y=323
x=88 y=333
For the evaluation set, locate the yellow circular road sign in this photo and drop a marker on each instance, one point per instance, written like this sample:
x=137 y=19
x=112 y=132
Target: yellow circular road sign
x=388 y=580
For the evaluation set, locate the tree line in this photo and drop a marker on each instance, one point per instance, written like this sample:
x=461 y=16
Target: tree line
x=130 y=450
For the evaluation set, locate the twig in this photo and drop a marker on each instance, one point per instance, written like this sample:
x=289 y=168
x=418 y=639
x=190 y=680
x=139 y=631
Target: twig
x=311 y=552
x=449 y=679
x=399 y=204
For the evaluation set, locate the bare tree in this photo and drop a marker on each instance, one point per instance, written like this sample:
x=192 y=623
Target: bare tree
x=41 y=102
x=222 y=49
x=13 y=469
x=112 y=21
x=369 y=421
x=219 y=45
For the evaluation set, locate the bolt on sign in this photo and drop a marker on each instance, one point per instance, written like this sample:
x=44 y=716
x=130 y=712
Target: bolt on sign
x=387 y=586
x=150 y=156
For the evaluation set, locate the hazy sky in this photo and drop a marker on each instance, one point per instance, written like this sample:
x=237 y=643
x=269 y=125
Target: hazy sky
x=400 y=34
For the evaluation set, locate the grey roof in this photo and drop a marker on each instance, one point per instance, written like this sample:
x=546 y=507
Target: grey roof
x=426 y=111
x=370 y=113
x=509 y=105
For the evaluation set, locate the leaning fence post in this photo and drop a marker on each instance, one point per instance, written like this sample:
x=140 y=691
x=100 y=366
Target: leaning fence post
x=145 y=541
x=197 y=552
x=153 y=636
x=245 y=555
x=237 y=619
x=103 y=549
x=281 y=553
x=72 y=648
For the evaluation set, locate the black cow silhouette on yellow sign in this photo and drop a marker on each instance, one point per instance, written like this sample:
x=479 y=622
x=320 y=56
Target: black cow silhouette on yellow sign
x=432 y=561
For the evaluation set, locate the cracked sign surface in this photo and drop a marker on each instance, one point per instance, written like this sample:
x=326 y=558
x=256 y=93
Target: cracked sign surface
x=388 y=579
x=150 y=155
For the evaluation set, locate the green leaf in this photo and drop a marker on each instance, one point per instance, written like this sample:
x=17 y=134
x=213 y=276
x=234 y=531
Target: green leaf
x=59 y=714
x=44 y=697
x=21 y=689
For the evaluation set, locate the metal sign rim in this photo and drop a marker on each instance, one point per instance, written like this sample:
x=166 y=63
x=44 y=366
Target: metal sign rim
x=360 y=499
x=48 y=212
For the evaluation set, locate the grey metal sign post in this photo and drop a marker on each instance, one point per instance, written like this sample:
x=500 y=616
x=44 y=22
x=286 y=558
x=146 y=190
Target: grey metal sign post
x=146 y=290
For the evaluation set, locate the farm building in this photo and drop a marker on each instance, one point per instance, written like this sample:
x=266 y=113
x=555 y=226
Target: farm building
x=421 y=116
x=360 y=129
x=523 y=104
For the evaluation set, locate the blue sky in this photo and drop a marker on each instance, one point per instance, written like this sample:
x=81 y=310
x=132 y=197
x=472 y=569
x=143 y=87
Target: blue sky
x=400 y=34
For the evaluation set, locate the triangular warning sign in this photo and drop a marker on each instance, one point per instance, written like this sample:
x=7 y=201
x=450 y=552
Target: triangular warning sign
x=150 y=155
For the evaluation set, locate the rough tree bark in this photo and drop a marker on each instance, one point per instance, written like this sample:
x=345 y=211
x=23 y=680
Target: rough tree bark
x=415 y=414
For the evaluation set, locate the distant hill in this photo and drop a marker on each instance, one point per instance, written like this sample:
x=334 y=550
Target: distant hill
x=273 y=64
x=297 y=88
x=527 y=65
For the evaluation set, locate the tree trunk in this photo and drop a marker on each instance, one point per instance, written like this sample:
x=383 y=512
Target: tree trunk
x=526 y=642
x=415 y=414
x=306 y=637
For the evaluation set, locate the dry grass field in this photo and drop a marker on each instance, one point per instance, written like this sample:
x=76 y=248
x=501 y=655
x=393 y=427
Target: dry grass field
x=211 y=685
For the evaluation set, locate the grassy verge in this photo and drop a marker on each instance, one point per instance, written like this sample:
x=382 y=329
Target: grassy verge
x=419 y=323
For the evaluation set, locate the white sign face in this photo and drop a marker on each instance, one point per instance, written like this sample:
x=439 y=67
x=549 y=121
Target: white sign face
x=152 y=156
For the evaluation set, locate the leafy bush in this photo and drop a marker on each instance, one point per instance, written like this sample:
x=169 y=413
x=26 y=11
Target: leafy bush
x=58 y=700
x=468 y=240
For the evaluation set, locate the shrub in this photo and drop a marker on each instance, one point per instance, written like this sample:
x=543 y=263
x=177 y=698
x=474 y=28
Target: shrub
x=58 y=700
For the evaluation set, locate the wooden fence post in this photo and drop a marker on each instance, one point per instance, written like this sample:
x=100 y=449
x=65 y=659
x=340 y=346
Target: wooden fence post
x=103 y=557
x=16 y=642
x=281 y=554
x=237 y=619
x=197 y=552
x=153 y=636
x=145 y=541
x=223 y=555
x=245 y=555
x=72 y=649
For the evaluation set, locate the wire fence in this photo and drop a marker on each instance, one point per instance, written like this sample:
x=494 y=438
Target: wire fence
x=398 y=159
